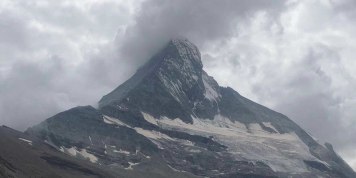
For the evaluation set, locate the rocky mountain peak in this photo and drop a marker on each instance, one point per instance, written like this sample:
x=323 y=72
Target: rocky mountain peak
x=188 y=51
x=175 y=77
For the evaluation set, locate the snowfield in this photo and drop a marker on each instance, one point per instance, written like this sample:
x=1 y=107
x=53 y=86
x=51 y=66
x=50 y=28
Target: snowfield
x=282 y=152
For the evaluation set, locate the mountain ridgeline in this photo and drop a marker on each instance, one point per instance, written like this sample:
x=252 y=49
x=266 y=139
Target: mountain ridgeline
x=171 y=119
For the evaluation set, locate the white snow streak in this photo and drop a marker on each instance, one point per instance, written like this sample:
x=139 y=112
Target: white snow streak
x=130 y=165
x=83 y=153
x=152 y=134
x=149 y=118
x=113 y=121
x=121 y=151
x=90 y=140
x=27 y=141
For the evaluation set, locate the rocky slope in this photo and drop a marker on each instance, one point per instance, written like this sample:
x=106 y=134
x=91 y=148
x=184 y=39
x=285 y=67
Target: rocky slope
x=171 y=119
x=24 y=156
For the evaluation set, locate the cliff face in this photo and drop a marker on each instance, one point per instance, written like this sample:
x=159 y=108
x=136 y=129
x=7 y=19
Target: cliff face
x=172 y=118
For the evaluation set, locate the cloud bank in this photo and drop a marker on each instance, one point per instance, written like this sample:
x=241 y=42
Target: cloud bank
x=295 y=56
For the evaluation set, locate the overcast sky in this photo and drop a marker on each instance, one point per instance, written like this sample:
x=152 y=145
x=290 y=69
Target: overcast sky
x=296 y=57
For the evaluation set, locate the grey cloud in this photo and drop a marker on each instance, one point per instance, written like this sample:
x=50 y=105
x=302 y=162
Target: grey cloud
x=344 y=6
x=12 y=32
x=26 y=95
x=47 y=54
x=200 y=21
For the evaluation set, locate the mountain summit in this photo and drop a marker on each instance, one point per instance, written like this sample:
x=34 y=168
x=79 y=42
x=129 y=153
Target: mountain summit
x=172 y=84
x=171 y=119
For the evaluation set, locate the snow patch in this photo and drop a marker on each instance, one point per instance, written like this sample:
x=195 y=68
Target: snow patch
x=27 y=141
x=194 y=150
x=256 y=128
x=218 y=126
x=152 y=134
x=89 y=156
x=147 y=157
x=83 y=152
x=130 y=165
x=121 y=151
x=113 y=121
x=268 y=124
x=72 y=151
x=149 y=118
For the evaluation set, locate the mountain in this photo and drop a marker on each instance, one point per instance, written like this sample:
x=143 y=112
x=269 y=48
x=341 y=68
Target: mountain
x=171 y=119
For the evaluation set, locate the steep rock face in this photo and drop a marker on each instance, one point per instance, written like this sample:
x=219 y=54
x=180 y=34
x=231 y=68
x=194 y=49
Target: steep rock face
x=168 y=84
x=171 y=111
